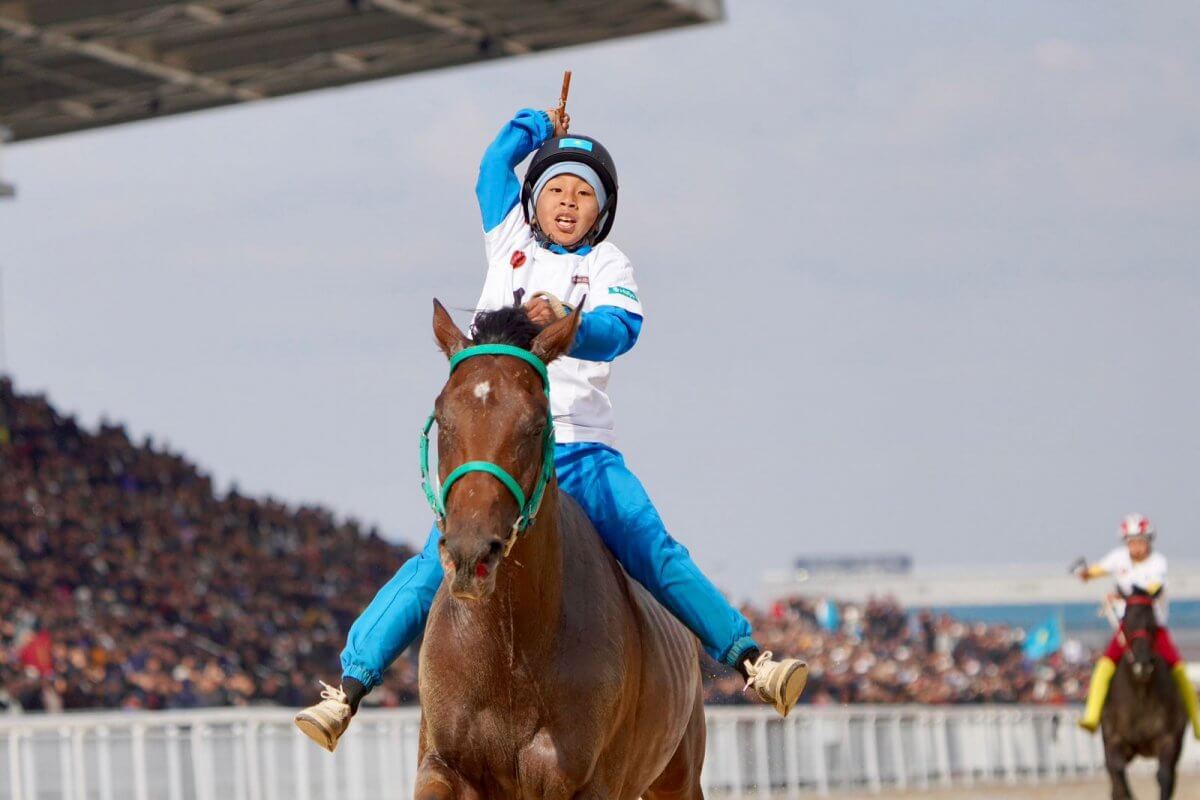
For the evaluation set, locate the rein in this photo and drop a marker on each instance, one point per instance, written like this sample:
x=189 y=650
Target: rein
x=528 y=506
x=1128 y=637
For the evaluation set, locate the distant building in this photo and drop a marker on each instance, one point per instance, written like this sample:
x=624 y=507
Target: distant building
x=1021 y=595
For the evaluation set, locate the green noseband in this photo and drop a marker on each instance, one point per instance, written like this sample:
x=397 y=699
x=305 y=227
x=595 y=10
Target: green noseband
x=528 y=506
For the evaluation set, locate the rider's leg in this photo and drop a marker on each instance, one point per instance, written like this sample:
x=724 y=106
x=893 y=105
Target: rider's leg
x=616 y=503
x=1102 y=677
x=630 y=526
x=1165 y=647
x=388 y=625
x=394 y=619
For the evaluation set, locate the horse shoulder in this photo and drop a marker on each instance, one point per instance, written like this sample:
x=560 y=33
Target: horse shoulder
x=596 y=631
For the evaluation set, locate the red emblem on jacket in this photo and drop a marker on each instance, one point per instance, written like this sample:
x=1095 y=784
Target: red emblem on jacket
x=518 y=258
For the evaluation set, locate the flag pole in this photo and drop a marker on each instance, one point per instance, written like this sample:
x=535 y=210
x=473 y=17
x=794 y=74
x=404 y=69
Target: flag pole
x=3 y=342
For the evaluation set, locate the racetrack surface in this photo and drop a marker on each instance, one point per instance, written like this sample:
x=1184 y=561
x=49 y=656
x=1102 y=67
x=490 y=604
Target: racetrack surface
x=1144 y=788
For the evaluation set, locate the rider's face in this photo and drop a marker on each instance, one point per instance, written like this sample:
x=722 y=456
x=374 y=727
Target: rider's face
x=1139 y=547
x=567 y=209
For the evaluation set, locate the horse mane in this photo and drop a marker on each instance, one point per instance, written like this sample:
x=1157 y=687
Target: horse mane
x=509 y=325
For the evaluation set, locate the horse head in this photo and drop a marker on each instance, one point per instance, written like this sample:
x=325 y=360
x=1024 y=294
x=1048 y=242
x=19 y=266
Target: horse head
x=495 y=438
x=1139 y=626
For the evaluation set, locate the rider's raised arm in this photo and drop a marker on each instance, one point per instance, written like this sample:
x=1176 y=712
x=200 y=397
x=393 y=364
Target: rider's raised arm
x=497 y=188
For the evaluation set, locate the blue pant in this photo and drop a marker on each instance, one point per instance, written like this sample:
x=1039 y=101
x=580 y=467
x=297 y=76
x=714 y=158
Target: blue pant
x=613 y=498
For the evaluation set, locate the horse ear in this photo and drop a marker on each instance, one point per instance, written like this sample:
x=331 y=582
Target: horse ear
x=448 y=336
x=557 y=337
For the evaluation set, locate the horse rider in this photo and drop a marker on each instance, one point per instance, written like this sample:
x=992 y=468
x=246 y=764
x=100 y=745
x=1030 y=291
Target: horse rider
x=1136 y=566
x=546 y=235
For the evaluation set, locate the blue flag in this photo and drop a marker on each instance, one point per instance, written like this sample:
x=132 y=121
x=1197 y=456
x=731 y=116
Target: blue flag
x=827 y=615
x=1044 y=640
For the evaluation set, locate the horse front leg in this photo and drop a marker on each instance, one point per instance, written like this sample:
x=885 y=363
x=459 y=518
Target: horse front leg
x=1166 y=780
x=1168 y=760
x=1115 y=761
x=436 y=781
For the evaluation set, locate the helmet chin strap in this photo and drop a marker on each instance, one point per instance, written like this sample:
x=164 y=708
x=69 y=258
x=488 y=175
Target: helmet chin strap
x=545 y=241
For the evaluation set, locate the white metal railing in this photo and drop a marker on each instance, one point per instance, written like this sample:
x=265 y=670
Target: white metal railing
x=256 y=753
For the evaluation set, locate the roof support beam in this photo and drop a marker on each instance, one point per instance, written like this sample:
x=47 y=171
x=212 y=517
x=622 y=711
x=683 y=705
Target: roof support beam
x=6 y=189
x=450 y=24
x=121 y=58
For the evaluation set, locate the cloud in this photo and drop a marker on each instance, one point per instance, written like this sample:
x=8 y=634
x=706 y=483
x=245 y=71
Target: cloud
x=1056 y=55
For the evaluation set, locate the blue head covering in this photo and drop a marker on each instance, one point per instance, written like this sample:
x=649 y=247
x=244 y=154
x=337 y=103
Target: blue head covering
x=577 y=169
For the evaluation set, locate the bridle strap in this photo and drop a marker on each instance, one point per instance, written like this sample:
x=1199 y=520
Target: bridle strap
x=527 y=507
x=503 y=350
x=499 y=473
x=1130 y=636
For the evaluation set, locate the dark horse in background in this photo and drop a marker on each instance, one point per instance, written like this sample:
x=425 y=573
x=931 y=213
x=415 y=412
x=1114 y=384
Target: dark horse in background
x=1143 y=715
x=547 y=672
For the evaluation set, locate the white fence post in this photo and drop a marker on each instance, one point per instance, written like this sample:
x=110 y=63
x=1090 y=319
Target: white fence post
x=871 y=753
x=141 y=789
x=78 y=768
x=820 y=767
x=300 y=767
x=762 y=769
x=941 y=746
x=64 y=762
x=898 y=752
x=791 y=756
x=14 y=763
x=104 y=763
x=174 y=767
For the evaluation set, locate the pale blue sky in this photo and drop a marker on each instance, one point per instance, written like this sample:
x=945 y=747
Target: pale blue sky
x=917 y=277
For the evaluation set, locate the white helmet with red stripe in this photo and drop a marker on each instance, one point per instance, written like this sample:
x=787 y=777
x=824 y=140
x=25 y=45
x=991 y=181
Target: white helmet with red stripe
x=1135 y=526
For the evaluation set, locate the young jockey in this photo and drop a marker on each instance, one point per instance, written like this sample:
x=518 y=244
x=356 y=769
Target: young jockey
x=1134 y=566
x=545 y=240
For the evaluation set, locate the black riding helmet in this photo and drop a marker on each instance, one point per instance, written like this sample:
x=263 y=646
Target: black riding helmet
x=585 y=150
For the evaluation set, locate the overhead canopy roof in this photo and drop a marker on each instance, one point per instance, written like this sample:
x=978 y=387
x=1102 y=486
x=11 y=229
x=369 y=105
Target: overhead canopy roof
x=67 y=65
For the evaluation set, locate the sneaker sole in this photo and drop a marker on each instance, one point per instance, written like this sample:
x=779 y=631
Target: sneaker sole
x=314 y=730
x=793 y=686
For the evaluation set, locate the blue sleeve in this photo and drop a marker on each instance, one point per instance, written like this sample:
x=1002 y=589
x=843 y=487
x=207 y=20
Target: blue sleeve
x=497 y=188
x=606 y=333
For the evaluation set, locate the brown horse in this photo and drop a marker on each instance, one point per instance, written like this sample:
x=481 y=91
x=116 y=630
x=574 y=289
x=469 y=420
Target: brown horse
x=1144 y=715
x=548 y=673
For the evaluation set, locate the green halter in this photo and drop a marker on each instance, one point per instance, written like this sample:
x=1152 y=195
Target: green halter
x=529 y=506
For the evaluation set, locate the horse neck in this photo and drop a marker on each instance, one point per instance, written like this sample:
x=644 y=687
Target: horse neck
x=521 y=613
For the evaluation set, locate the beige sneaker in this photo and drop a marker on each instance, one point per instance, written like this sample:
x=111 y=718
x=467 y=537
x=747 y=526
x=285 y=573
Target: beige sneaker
x=325 y=722
x=778 y=682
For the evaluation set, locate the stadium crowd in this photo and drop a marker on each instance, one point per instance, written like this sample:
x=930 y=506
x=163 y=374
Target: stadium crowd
x=127 y=581
x=881 y=653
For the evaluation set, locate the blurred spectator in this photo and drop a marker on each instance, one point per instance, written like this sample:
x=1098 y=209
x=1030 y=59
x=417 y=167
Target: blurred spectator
x=125 y=581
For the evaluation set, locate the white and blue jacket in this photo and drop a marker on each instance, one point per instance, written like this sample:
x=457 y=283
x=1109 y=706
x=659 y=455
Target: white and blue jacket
x=600 y=278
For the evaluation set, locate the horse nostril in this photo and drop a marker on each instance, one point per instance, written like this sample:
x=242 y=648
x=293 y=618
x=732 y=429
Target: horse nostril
x=495 y=548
